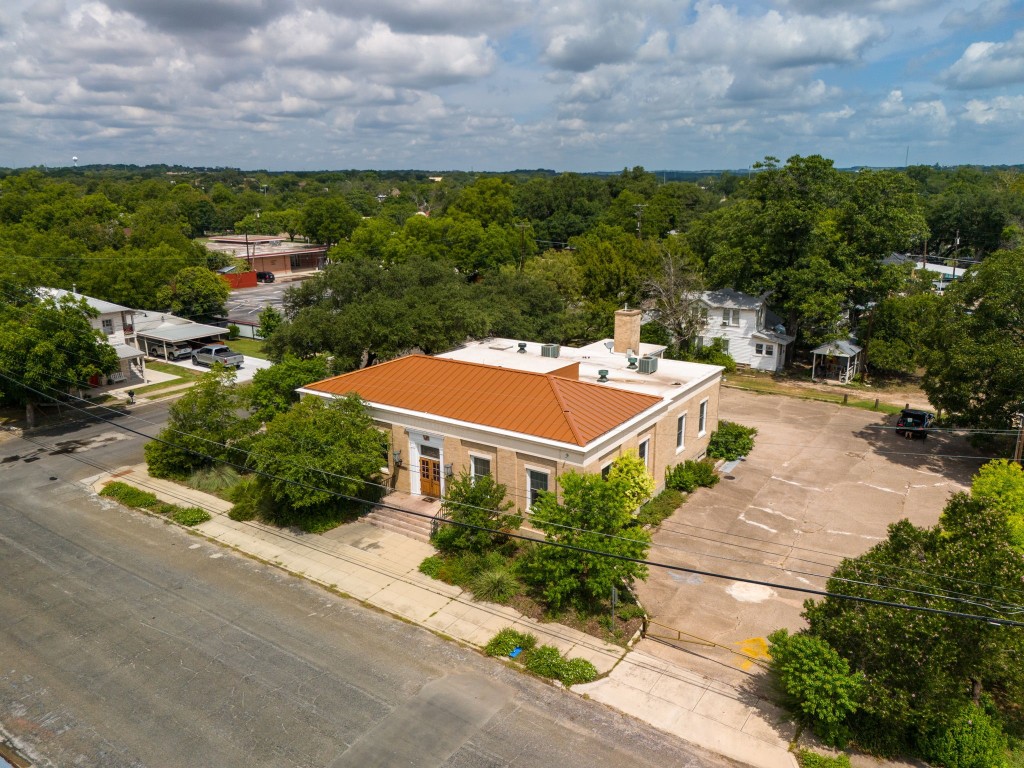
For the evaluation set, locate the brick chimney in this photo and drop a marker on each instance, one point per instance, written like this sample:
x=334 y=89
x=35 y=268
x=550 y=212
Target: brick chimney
x=627 y=331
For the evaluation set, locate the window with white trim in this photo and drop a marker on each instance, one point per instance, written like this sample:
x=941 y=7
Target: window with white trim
x=108 y=325
x=536 y=482
x=730 y=317
x=480 y=466
x=702 y=422
x=680 y=432
x=644 y=451
x=769 y=350
x=758 y=349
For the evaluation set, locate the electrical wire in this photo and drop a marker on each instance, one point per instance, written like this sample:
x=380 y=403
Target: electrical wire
x=995 y=620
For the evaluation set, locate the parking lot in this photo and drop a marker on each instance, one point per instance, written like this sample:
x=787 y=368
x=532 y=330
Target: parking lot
x=245 y=373
x=822 y=483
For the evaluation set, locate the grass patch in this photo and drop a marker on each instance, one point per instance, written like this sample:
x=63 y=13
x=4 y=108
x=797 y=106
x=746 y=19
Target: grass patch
x=545 y=661
x=131 y=496
x=249 y=347
x=218 y=480
x=771 y=386
x=808 y=759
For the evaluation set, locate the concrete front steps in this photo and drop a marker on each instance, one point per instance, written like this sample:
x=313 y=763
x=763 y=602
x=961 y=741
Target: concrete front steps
x=401 y=521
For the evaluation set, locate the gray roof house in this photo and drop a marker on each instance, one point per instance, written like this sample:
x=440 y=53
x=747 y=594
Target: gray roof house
x=753 y=334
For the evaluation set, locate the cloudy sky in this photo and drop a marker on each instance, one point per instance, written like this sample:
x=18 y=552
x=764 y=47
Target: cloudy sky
x=502 y=84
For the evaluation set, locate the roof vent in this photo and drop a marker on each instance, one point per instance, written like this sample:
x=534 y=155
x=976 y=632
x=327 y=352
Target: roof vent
x=602 y=375
x=648 y=364
x=549 y=350
x=522 y=347
x=632 y=363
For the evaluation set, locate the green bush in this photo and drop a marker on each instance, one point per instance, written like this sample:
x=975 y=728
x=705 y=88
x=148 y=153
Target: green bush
x=507 y=640
x=629 y=611
x=808 y=759
x=577 y=671
x=233 y=331
x=497 y=585
x=660 y=507
x=216 y=479
x=129 y=495
x=545 y=661
x=731 y=440
x=817 y=682
x=432 y=566
x=972 y=740
x=247 y=499
x=190 y=516
x=691 y=475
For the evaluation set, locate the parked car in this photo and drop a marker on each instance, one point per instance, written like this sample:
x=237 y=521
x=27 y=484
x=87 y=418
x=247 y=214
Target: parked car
x=177 y=351
x=217 y=353
x=265 y=277
x=913 y=423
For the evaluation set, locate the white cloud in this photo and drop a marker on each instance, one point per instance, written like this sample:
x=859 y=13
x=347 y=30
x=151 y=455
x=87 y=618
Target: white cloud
x=1005 y=110
x=982 y=15
x=986 y=65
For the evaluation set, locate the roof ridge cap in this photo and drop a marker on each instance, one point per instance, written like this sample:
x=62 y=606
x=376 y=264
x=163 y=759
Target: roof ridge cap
x=554 y=382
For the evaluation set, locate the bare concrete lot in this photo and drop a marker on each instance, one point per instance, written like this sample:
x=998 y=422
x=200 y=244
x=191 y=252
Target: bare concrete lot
x=822 y=483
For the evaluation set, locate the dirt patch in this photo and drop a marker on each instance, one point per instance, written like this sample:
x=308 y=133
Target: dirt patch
x=595 y=626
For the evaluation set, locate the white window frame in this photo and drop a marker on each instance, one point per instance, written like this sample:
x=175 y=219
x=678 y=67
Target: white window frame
x=529 y=484
x=758 y=348
x=731 y=317
x=473 y=457
x=107 y=324
x=680 y=432
x=769 y=350
x=643 y=450
x=702 y=419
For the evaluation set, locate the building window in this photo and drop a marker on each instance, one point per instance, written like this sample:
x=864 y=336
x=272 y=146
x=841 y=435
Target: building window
x=481 y=467
x=108 y=325
x=769 y=350
x=644 y=452
x=536 y=482
x=702 y=423
x=730 y=317
x=759 y=349
x=605 y=471
x=680 y=432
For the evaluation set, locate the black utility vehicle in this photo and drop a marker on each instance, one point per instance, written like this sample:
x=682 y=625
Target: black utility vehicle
x=913 y=423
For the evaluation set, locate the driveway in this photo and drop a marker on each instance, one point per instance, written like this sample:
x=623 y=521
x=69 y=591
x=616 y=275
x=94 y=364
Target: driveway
x=822 y=483
x=245 y=373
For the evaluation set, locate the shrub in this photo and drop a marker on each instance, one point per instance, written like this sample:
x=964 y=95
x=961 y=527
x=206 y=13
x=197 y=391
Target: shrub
x=507 y=640
x=216 y=479
x=129 y=495
x=731 y=440
x=432 y=566
x=190 y=516
x=497 y=584
x=691 y=475
x=808 y=759
x=660 y=507
x=629 y=611
x=972 y=740
x=817 y=682
x=247 y=499
x=545 y=661
x=577 y=671
x=233 y=331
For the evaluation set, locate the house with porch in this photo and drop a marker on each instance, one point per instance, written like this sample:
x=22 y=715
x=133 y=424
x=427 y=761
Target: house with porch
x=527 y=413
x=117 y=324
x=752 y=333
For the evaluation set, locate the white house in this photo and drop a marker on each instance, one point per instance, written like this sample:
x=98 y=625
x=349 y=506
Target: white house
x=753 y=334
x=117 y=324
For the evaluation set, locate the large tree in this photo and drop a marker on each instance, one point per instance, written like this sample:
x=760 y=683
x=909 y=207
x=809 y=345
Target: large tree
x=196 y=293
x=595 y=514
x=974 y=350
x=317 y=459
x=48 y=348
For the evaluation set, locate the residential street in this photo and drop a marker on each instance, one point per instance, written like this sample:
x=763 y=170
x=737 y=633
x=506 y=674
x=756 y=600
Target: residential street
x=125 y=641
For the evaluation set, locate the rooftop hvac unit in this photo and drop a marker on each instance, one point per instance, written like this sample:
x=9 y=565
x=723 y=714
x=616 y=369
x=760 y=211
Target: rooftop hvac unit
x=648 y=364
x=549 y=350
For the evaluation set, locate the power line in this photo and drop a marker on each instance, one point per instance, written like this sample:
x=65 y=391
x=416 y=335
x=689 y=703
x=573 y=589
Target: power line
x=640 y=561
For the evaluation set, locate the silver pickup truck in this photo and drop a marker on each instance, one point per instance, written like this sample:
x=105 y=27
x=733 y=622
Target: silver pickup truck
x=217 y=353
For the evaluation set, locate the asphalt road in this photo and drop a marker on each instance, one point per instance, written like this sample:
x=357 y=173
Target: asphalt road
x=125 y=641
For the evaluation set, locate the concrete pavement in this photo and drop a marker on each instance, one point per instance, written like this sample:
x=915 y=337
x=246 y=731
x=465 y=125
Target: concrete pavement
x=380 y=568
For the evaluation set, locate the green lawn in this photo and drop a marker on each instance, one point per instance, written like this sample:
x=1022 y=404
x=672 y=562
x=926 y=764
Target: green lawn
x=249 y=347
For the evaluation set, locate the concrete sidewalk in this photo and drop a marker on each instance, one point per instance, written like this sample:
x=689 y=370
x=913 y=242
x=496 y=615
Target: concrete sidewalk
x=380 y=568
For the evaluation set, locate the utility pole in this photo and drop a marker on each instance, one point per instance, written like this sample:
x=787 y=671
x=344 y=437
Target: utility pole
x=639 y=219
x=522 y=244
x=1018 y=450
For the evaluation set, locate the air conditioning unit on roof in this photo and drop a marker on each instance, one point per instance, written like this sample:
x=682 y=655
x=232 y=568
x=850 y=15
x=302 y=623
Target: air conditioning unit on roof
x=549 y=350
x=648 y=364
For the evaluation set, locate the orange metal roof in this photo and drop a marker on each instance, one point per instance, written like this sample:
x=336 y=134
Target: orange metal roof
x=542 y=405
